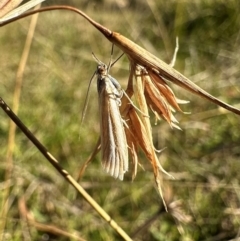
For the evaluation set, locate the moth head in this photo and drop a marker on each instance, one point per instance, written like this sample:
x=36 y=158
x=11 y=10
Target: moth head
x=102 y=69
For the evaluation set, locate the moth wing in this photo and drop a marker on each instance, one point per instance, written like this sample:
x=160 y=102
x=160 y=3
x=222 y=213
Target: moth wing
x=113 y=138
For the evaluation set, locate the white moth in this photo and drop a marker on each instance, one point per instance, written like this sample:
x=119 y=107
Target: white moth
x=113 y=139
x=8 y=12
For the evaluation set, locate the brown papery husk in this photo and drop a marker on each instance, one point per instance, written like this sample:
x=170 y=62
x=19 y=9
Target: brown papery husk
x=155 y=99
x=163 y=87
x=138 y=130
x=144 y=131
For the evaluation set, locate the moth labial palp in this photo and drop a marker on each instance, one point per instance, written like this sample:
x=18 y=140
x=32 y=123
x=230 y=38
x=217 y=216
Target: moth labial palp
x=113 y=138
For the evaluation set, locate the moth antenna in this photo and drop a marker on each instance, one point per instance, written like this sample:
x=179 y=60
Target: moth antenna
x=110 y=61
x=117 y=59
x=110 y=65
x=87 y=98
x=96 y=59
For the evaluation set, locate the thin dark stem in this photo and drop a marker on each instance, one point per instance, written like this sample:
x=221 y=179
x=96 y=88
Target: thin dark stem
x=31 y=137
x=101 y=28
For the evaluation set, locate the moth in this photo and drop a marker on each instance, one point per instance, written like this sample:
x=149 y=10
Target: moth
x=114 y=149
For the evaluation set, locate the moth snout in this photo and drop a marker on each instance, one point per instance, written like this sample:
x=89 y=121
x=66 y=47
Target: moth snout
x=102 y=69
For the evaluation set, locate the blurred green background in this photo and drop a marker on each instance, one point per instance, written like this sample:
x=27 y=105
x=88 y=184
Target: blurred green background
x=203 y=157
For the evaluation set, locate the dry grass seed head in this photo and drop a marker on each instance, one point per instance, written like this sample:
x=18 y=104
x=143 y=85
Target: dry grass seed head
x=155 y=99
x=166 y=91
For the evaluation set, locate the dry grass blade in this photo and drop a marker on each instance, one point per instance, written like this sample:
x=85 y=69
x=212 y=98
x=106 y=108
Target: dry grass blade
x=8 y=11
x=6 y=6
